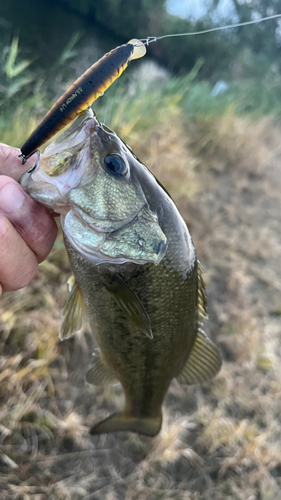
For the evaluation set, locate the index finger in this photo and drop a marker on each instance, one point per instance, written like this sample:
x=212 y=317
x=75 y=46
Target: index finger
x=10 y=163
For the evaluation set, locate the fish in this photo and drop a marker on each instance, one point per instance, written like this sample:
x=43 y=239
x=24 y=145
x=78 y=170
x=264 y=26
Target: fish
x=82 y=93
x=136 y=277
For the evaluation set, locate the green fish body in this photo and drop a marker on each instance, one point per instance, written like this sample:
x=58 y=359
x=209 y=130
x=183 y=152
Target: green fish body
x=137 y=279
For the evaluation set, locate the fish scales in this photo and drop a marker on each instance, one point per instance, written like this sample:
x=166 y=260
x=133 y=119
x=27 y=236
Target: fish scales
x=144 y=368
x=137 y=279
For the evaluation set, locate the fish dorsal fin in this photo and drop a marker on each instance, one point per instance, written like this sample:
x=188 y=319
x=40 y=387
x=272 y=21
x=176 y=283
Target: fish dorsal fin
x=99 y=374
x=202 y=296
x=203 y=363
x=130 y=304
x=73 y=314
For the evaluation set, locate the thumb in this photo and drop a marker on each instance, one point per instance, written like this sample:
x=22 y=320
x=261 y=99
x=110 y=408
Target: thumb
x=31 y=220
x=10 y=163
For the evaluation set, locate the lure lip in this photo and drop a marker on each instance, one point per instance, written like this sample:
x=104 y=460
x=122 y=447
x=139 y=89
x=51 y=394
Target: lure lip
x=24 y=158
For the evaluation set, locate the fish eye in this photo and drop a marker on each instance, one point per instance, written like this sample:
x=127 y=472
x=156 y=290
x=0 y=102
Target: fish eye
x=116 y=165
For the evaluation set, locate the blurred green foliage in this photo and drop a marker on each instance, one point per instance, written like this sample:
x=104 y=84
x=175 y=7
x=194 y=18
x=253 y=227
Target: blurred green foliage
x=26 y=100
x=142 y=18
x=30 y=80
x=12 y=70
x=262 y=38
x=26 y=93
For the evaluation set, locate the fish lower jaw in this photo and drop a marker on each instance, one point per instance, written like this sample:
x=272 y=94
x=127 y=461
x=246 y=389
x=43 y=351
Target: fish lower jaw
x=96 y=257
x=97 y=247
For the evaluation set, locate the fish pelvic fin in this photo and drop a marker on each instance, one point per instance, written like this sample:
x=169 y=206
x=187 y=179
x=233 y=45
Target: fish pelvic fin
x=73 y=314
x=99 y=374
x=204 y=361
x=149 y=426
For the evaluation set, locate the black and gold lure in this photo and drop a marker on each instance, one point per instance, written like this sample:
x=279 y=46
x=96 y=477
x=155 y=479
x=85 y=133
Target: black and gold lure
x=82 y=93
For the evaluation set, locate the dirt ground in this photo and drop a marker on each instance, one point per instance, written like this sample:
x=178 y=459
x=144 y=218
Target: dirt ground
x=219 y=441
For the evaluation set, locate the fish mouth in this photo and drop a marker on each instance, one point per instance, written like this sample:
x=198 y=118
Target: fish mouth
x=43 y=191
x=78 y=132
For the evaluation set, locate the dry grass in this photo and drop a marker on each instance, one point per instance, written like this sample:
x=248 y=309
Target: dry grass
x=219 y=441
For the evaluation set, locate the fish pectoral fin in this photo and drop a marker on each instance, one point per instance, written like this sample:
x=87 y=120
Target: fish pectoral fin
x=149 y=426
x=130 y=304
x=99 y=374
x=203 y=363
x=73 y=314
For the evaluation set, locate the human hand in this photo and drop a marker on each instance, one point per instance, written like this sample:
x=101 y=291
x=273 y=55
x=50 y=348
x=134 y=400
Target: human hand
x=27 y=230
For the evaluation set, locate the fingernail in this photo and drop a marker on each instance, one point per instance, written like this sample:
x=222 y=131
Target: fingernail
x=11 y=198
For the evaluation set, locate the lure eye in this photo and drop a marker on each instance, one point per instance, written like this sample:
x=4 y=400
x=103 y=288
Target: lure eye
x=116 y=165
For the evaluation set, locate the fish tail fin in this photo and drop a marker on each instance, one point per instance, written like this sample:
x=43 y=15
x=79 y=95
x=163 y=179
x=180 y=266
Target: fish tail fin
x=149 y=426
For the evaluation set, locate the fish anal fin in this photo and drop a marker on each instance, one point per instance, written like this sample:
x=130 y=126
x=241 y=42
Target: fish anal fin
x=130 y=304
x=149 y=426
x=99 y=374
x=73 y=314
x=204 y=361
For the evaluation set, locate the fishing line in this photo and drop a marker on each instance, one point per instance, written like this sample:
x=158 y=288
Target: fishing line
x=151 y=39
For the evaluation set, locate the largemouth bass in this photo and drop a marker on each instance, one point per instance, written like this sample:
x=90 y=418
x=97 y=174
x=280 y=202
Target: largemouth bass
x=137 y=279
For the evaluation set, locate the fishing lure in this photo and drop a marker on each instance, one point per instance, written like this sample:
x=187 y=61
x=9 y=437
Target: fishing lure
x=82 y=93
x=95 y=81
